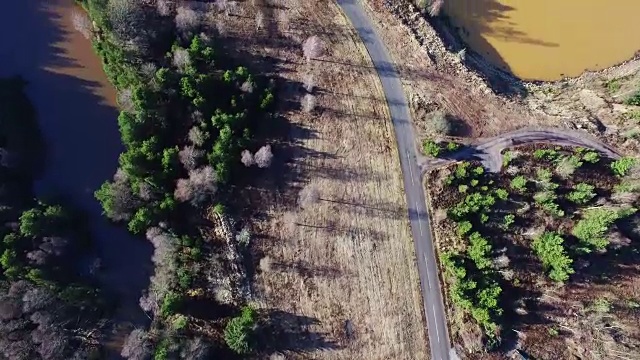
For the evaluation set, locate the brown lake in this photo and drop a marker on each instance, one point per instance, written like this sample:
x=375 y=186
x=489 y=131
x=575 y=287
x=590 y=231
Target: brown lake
x=548 y=39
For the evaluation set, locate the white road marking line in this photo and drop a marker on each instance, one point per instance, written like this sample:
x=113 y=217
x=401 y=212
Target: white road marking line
x=426 y=262
x=436 y=322
x=410 y=170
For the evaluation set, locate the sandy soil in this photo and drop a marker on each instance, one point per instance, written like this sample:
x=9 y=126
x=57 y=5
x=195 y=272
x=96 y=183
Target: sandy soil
x=339 y=277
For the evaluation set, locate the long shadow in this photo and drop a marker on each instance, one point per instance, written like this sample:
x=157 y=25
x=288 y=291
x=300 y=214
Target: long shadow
x=286 y=331
x=479 y=16
x=80 y=128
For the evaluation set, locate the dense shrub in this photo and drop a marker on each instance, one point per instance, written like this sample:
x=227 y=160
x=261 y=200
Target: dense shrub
x=622 y=166
x=551 y=252
x=582 y=193
x=238 y=333
x=595 y=223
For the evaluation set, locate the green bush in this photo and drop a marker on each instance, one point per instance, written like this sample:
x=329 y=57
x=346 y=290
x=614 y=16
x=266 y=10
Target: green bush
x=239 y=331
x=519 y=183
x=622 y=166
x=549 y=248
x=462 y=172
x=463 y=228
x=170 y=303
x=591 y=157
x=595 y=223
x=544 y=175
x=463 y=188
x=451 y=146
x=509 y=219
x=582 y=193
x=502 y=194
x=507 y=157
x=431 y=148
x=547 y=154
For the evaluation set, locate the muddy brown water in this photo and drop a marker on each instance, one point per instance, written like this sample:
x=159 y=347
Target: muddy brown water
x=549 y=39
x=77 y=113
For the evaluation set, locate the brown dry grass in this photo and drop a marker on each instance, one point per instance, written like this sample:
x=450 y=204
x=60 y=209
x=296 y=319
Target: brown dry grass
x=344 y=270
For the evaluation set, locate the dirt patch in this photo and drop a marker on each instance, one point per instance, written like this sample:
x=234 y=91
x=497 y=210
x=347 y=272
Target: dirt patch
x=592 y=315
x=338 y=276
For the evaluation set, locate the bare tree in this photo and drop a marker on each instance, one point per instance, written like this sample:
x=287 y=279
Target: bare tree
x=438 y=124
x=128 y=22
x=265 y=264
x=136 y=346
x=197 y=136
x=187 y=20
x=259 y=20
x=200 y=185
x=195 y=349
x=247 y=87
x=125 y=100
x=247 y=158
x=308 y=196
x=189 y=157
x=308 y=82
x=164 y=7
x=181 y=59
x=435 y=7
x=81 y=23
x=313 y=48
x=263 y=157
x=308 y=103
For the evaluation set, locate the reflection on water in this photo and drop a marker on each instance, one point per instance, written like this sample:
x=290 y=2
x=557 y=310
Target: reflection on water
x=549 y=39
x=76 y=109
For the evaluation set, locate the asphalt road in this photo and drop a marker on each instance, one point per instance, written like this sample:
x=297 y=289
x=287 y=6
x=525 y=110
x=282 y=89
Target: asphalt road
x=407 y=148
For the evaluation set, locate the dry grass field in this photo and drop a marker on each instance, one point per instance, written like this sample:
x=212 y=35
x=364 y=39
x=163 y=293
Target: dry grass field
x=339 y=276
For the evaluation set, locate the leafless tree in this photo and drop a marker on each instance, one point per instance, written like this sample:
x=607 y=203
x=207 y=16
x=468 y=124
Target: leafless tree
x=37 y=257
x=259 y=20
x=247 y=158
x=81 y=23
x=189 y=157
x=164 y=7
x=308 y=103
x=145 y=191
x=181 y=59
x=197 y=136
x=136 y=346
x=308 y=82
x=313 y=48
x=123 y=200
x=52 y=343
x=10 y=308
x=195 y=349
x=127 y=19
x=227 y=6
x=263 y=157
x=200 y=185
x=35 y=299
x=125 y=100
x=265 y=264
x=440 y=124
x=308 y=196
x=247 y=87
x=187 y=20
x=435 y=7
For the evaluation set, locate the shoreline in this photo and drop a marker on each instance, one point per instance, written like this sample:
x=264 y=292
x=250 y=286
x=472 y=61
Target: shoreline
x=442 y=44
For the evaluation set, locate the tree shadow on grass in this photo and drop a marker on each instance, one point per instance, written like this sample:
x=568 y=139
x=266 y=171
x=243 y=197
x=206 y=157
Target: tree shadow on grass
x=285 y=331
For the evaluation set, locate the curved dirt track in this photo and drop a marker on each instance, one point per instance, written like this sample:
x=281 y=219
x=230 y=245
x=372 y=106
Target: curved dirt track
x=489 y=151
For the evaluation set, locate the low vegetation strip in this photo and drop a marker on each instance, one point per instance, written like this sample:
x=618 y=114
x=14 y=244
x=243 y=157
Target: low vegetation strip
x=552 y=221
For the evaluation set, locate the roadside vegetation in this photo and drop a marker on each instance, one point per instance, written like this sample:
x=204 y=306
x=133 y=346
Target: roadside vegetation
x=49 y=305
x=190 y=118
x=554 y=233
